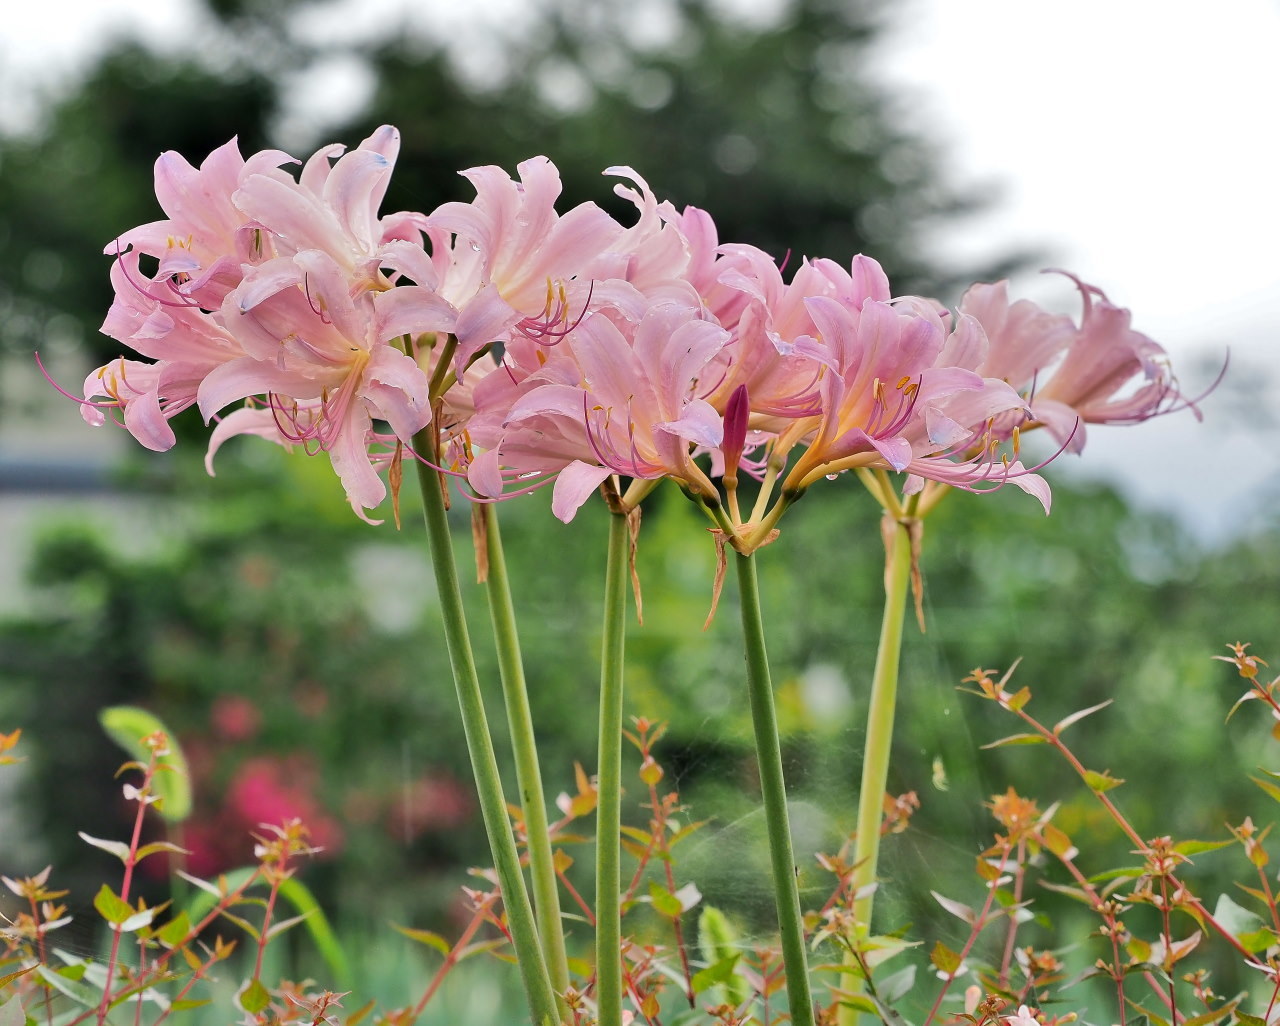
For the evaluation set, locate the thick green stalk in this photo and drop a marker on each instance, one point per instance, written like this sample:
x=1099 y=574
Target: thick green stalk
x=484 y=764
x=773 y=788
x=875 y=757
x=546 y=894
x=609 y=780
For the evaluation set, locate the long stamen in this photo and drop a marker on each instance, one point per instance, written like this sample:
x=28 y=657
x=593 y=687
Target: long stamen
x=186 y=302
x=115 y=402
x=317 y=306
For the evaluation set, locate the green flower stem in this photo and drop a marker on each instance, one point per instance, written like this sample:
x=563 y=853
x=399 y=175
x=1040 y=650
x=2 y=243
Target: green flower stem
x=769 y=757
x=484 y=764
x=875 y=758
x=609 y=780
x=546 y=894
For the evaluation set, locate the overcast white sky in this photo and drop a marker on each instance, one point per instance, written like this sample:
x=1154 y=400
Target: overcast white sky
x=1136 y=140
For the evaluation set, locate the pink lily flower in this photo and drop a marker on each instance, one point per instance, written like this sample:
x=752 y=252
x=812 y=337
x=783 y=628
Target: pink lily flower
x=320 y=357
x=206 y=237
x=332 y=208
x=187 y=343
x=776 y=355
x=1102 y=372
x=887 y=403
x=513 y=262
x=617 y=399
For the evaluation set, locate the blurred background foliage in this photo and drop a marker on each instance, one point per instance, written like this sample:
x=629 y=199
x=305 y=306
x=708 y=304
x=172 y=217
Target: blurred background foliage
x=294 y=649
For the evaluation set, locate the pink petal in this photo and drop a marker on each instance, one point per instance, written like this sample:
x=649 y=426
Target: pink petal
x=315 y=172
x=412 y=310
x=1061 y=421
x=485 y=474
x=484 y=319
x=966 y=346
x=243 y=377
x=244 y=421
x=292 y=214
x=355 y=189
x=265 y=281
x=411 y=259
x=146 y=422
x=350 y=457
x=397 y=388
x=699 y=424
x=574 y=486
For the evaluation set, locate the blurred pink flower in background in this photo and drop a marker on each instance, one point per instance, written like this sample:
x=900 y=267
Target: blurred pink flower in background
x=431 y=803
x=235 y=717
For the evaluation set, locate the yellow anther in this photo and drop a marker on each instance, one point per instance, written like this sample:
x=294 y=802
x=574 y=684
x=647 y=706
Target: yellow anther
x=1017 y=439
x=902 y=382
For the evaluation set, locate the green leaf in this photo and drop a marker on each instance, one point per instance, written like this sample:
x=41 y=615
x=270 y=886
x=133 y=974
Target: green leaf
x=956 y=908
x=204 y=885
x=427 y=937
x=664 y=901
x=127 y=725
x=1127 y=873
x=112 y=907
x=175 y=931
x=304 y=903
x=1056 y=840
x=158 y=846
x=714 y=974
x=79 y=992
x=1076 y=717
x=1016 y=739
x=1234 y=918
x=138 y=920
x=1020 y=698
x=944 y=959
x=10 y=977
x=1070 y=892
x=285 y=924
x=11 y=1013
x=1258 y=940
x=1147 y=1016
x=1268 y=786
x=1199 y=847
x=117 y=848
x=1213 y=1015
x=890 y=1016
x=480 y=947
x=1100 y=783
x=253 y=997
x=898 y=985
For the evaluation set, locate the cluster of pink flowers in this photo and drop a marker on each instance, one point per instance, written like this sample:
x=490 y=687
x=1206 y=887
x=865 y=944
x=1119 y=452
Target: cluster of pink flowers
x=571 y=347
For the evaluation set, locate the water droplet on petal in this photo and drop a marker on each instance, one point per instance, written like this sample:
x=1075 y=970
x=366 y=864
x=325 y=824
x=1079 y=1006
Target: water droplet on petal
x=832 y=477
x=475 y=246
